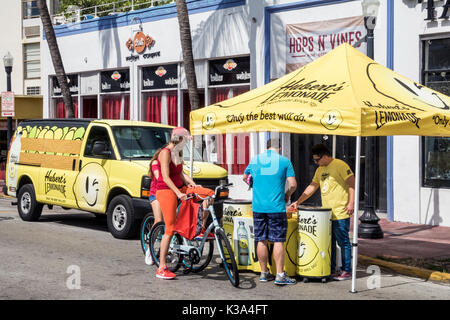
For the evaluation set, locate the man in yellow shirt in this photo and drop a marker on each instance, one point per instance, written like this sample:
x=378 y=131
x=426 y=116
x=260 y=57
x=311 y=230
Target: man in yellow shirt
x=337 y=186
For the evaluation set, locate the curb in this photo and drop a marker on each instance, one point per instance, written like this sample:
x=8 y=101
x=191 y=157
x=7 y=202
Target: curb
x=407 y=270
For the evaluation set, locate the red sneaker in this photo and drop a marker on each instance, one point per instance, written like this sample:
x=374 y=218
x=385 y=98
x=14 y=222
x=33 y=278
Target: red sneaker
x=165 y=273
x=343 y=276
x=210 y=236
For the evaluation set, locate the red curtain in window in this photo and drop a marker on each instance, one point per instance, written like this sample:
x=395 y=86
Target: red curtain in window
x=221 y=95
x=126 y=111
x=90 y=108
x=172 y=108
x=61 y=111
x=111 y=107
x=153 y=108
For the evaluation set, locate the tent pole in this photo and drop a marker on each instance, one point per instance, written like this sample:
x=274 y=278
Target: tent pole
x=355 y=214
x=191 y=159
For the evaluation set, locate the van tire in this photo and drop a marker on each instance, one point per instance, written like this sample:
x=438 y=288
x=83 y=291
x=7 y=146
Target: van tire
x=29 y=209
x=121 y=218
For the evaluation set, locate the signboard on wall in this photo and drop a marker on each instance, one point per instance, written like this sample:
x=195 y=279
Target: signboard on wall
x=160 y=77
x=115 y=80
x=8 y=104
x=306 y=42
x=229 y=71
x=72 y=80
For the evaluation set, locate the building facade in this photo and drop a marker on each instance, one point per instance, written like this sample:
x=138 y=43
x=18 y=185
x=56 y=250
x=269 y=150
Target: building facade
x=129 y=66
x=21 y=36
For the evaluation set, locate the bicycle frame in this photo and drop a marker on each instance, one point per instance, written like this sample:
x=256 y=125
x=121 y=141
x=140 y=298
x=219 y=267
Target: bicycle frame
x=186 y=247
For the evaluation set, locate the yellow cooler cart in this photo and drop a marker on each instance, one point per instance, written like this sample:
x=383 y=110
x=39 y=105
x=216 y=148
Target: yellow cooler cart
x=314 y=243
x=238 y=226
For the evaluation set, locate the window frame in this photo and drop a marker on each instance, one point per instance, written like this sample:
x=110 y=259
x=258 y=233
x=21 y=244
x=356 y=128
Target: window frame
x=425 y=180
x=25 y=61
x=24 y=15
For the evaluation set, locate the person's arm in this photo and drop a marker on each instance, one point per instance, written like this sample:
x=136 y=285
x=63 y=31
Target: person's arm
x=188 y=181
x=292 y=186
x=164 y=160
x=309 y=191
x=351 y=195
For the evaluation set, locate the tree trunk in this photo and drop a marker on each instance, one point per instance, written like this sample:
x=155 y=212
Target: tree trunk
x=188 y=57
x=56 y=57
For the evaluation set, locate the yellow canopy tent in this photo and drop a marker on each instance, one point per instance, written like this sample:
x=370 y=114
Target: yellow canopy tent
x=342 y=93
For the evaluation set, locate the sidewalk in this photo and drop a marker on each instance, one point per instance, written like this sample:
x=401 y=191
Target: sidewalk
x=407 y=243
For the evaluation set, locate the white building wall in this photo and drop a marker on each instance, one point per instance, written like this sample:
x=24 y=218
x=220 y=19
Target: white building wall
x=412 y=202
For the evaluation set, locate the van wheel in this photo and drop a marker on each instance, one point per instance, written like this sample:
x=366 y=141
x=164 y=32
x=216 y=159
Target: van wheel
x=29 y=209
x=121 y=218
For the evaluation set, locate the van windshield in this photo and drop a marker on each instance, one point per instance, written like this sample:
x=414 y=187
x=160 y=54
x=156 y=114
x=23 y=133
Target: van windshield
x=136 y=142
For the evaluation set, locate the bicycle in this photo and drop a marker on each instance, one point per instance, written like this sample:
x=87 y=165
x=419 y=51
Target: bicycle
x=190 y=253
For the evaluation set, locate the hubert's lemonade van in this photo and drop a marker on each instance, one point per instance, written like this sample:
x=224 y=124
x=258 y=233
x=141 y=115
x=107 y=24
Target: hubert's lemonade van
x=99 y=166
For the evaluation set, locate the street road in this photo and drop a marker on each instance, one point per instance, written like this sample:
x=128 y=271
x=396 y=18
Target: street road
x=71 y=255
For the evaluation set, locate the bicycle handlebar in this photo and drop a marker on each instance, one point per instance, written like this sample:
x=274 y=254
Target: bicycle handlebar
x=192 y=195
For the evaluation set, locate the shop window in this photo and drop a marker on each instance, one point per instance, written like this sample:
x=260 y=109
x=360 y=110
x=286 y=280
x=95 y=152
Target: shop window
x=116 y=106
x=436 y=150
x=236 y=159
x=60 y=110
x=32 y=60
x=90 y=107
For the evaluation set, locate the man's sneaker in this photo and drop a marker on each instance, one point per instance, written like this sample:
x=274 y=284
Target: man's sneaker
x=344 y=275
x=165 y=273
x=284 y=279
x=266 y=276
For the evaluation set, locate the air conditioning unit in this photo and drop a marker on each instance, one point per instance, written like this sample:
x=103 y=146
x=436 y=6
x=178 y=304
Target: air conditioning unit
x=32 y=31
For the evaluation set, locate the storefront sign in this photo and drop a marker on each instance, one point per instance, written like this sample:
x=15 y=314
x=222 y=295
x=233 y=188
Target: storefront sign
x=229 y=71
x=139 y=44
x=8 y=104
x=72 y=80
x=115 y=81
x=160 y=77
x=431 y=10
x=308 y=41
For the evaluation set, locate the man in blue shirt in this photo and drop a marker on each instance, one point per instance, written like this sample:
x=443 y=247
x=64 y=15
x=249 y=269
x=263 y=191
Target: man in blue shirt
x=270 y=171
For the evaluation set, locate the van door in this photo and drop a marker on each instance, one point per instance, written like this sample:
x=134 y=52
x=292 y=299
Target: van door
x=92 y=183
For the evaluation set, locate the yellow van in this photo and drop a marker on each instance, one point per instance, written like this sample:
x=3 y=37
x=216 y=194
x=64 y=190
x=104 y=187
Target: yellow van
x=99 y=166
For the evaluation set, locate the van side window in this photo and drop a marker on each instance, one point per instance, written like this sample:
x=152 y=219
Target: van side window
x=98 y=134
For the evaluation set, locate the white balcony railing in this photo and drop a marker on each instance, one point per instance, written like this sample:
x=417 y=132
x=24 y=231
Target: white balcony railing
x=77 y=14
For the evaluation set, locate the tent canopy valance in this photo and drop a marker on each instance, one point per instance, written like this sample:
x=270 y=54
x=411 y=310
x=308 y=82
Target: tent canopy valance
x=342 y=93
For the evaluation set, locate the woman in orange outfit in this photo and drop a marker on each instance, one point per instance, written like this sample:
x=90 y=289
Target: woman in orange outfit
x=172 y=186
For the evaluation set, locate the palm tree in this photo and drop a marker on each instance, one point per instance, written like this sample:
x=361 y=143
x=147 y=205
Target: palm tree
x=188 y=57
x=56 y=57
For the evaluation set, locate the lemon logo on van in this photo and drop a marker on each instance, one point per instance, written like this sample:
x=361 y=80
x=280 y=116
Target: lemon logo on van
x=90 y=186
x=209 y=121
x=331 y=119
x=307 y=249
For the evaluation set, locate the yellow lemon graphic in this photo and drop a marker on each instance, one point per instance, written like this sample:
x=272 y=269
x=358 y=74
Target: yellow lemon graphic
x=331 y=119
x=307 y=249
x=90 y=186
x=209 y=121
x=243 y=243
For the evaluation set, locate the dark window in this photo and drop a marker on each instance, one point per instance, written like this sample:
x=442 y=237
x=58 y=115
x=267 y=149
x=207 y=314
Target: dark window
x=98 y=134
x=436 y=150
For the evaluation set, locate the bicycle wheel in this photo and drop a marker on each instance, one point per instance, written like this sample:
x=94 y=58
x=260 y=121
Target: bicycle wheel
x=205 y=258
x=173 y=259
x=227 y=255
x=146 y=228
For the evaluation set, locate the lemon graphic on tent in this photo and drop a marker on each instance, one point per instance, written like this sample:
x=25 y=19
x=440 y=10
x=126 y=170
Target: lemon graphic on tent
x=331 y=119
x=307 y=249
